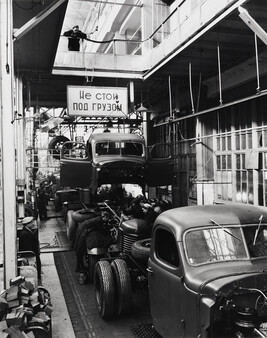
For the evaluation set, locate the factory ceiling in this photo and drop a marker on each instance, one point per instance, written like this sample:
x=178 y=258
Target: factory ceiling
x=35 y=50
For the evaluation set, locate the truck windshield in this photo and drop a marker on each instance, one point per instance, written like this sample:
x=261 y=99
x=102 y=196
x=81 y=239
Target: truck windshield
x=128 y=148
x=226 y=243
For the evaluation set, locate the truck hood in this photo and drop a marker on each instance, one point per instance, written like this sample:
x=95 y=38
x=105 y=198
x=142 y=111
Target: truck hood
x=223 y=277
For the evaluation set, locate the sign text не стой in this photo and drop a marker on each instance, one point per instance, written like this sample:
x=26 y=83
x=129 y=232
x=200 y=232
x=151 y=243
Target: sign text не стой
x=97 y=101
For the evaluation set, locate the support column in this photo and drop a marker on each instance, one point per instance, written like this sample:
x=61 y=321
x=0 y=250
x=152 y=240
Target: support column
x=131 y=97
x=199 y=162
x=147 y=25
x=8 y=143
x=20 y=146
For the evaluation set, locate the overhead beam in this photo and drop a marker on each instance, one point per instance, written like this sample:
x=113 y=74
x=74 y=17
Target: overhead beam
x=252 y=24
x=37 y=19
x=113 y=3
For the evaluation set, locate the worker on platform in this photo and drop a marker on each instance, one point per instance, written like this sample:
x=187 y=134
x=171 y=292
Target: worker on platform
x=74 y=36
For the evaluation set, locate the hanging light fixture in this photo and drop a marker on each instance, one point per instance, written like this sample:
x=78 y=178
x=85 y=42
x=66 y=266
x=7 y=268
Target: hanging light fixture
x=141 y=109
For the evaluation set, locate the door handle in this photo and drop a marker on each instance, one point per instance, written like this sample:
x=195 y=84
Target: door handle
x=149 y=270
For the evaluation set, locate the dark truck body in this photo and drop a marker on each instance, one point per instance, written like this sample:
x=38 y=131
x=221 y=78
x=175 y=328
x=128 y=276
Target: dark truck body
x=207 y=272
x=113 y=158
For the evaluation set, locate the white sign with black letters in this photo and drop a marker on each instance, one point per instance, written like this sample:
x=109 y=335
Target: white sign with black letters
x=97 y=101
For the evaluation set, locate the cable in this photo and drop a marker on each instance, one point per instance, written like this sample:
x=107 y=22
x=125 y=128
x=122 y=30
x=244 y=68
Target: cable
x=137 y=41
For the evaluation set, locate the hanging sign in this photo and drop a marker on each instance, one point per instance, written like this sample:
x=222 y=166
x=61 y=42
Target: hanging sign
x=97 y=101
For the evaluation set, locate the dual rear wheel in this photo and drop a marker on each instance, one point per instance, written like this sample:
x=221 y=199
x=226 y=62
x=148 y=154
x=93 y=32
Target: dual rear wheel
x=112 y=288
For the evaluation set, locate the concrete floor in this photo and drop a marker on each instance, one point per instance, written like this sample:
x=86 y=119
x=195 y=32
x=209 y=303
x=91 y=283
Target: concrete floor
x=61 y=323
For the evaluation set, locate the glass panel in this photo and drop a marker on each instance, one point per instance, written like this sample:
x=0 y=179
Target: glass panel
x=265 y=160
x=218 y=143
x=132 y=148
x=229 y=162
x=238 y=186
x=257 y=244
x=229 y=146
x=218 y=158
x=214 y=244
x=242 y=161
x=250 y=187
x=265 y=184
x=238 y=164
x=265 y=138
x=250 y=140
x=166 y=248
x=223 y=162
x=237 y=142
x=219 y=186
x=259 y=134
x=244 y=196
x=107 y=148
x=223 y=143
x=243 y=141
x=230 y=192
x=260 y=188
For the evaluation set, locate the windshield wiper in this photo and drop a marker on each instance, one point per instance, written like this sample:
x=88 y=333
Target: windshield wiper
x=229 y=233
x=258 y=229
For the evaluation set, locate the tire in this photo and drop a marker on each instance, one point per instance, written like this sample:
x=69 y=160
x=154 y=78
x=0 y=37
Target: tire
x=55 y=146
x=104 y=289
x=82 y=215
x=122 y=286
x=141 y=249
x=71 y=225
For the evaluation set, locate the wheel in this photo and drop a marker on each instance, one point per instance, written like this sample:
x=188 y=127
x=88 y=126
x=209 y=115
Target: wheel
x=104 y=289
x=91 y=263
x=82 y=215
x=122 y=286
x=55 y=145
x=71 y=225
x=141 y=249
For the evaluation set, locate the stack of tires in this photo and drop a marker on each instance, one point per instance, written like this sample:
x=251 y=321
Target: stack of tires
x=74 y=218
x=74 y=224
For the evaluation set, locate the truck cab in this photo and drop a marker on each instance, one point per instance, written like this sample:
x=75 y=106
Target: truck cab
x=207 y=272
x=113 y=158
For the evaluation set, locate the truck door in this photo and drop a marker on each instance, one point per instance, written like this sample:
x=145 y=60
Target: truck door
x=164 y=280
x=75 y=165
x=159 y=170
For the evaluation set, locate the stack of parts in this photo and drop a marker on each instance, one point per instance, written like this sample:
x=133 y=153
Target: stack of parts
x=25 y=310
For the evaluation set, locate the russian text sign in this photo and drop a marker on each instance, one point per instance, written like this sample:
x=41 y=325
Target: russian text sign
x=97 y=101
